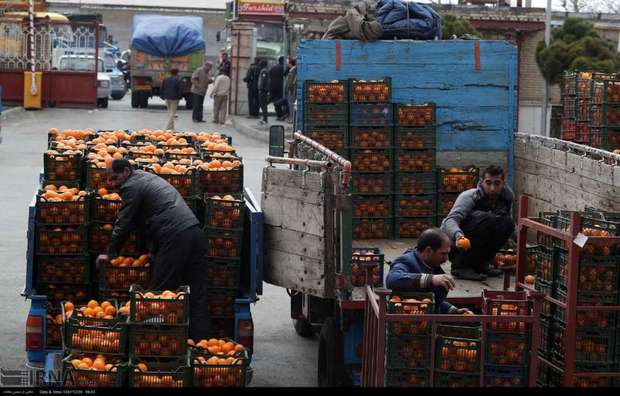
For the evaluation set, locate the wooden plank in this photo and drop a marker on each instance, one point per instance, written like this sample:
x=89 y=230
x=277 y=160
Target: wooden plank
x=295 y=179
x=294 y=215
x=296 y=273
x=299 y=243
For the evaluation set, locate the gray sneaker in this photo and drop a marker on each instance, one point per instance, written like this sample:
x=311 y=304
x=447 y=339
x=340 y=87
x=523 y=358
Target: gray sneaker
x=468 y=274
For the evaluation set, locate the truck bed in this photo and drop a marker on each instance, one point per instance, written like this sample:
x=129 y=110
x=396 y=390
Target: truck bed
x=394 y=248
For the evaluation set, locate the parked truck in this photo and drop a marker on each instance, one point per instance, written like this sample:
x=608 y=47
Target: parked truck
x=159 y=44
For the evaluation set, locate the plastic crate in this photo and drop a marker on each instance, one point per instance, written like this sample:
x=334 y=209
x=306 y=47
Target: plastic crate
x=67 y=270
x=221 y=303
x=371 y=114
x=412 y=227
x=184 y=184
x=367 y=267
x=121 y=278
x=222 y=328
x=456 y=380
x=606 y=92
x=415 y=115
x=507 y=349
x=371 y=183
x=95 y=335
x=505 y=303
x=223 y=274
x=220 y=213
x=326 y=114
x=457 y=354
x=445 y=202
x=414 y=160
x=101 y=238
x=53 y=327
x=66 y=213
x=65 y=240
x=546 y=289
x=606 y=115
x=506 y=376
x=457 y=180
x=96 y=178
x=224 y=244
x=158 y=341
x=415 y=183
x=544 y=345
x=372 y=228
x=334 y=138
x=207 y=373
x=326 y=92
x=105 y=210
x=588 y=320
x=146 y=310
x=371 y=91
x=407 y=352
x=62 y=166
x=371 y=137
x=414 y=205
x=610 y=139
x=598 y=274
x=372 y=206
x=74 y=377
x=160 y=373
x=110 y=294
x=223 y=181
x=57 y=292
x=544 y=264
x=371 y=161
x=407 y=378
x=415 y=138
x=594 y=350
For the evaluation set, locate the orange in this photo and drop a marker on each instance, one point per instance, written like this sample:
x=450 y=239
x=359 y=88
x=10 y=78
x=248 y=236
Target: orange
x=105 y=304
x=88 y=312
x=110 y=310
x=227 y=347
x=102 y=191
x=463 y=243
x=142 y=367
x=108 y=227
x=239 y=348
x=92 y=304
x=69 y=306
x=76 y=363
x=530 y=279
x=87 y=361
x=214 y=349
x=98 y=364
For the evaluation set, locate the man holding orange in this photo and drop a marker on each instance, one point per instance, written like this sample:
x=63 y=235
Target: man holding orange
x=479 y=224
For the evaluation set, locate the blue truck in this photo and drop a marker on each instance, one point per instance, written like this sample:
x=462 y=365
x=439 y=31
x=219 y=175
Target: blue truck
x=44 y=361
x=473 y=84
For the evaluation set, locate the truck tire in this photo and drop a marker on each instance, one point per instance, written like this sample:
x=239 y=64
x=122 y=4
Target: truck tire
x=104 y=103
x=144 y=100
x=303 y=328
x=189 y=101
x=135 y=99
x=330 y=369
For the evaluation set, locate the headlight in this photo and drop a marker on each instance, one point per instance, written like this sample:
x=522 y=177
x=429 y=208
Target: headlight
x=103 y=84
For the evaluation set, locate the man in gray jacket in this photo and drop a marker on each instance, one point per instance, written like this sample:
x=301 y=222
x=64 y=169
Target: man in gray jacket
x=483 y=215
x=150 y=202
x=200 y=82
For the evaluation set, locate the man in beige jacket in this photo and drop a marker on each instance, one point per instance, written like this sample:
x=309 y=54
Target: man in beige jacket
x=221 y=87
x=200 y=82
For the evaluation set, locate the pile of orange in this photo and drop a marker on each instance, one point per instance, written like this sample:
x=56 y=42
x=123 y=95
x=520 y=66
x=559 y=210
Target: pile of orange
x=157 y=135
x=111 y=138
x=169 y=168
x=204 y=137
x=167 y=305
x=156 y=380
x=102 y=155
x=69 y=143
x=104 y=194
x=217 y=165
x=217 y=347
x=221 y=146
x=122 y=261
x=92 y=310
x=184 y=150
x=62 y=194
x=99 y=363
x=72 y=133
x=410 y=305
x=147 y=149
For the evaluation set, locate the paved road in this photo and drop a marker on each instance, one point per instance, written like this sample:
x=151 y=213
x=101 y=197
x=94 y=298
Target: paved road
x=281 y=357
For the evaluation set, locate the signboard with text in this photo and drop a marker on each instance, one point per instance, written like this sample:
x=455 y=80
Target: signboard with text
x=259 y=7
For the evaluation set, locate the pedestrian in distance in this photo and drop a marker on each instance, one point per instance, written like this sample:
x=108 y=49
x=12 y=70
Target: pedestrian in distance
x=201 y=79
x=224 y=64
x=172 y=91
x=276 y=87
x=152 y=204
x=251 y=80
x=219 y=94
x=479 y=224
x=419 y=270
x=263 y=91
x=290 y=89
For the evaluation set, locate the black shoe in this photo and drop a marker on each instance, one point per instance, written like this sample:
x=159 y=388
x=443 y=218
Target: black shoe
x=468 y=274
x=199 y=121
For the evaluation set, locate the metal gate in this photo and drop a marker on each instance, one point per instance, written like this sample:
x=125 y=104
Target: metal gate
x=57 y=46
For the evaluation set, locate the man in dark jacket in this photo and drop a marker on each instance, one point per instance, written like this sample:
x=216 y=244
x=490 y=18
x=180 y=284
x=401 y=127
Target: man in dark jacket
x=150 y=202
x=419 y=270
x=172 y=91
x=251 y=80
x=479 y=224
x=224 y=65
x=263 y=90
x=276 y=86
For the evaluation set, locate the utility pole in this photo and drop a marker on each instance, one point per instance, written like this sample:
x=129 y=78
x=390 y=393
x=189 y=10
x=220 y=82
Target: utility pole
x=543 y=117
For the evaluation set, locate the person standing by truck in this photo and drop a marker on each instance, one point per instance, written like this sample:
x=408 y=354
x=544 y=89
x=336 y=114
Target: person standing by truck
x=200 y=83
x=479 y=224
x=419 y=270
x=178 y=242
x=276 y=84
x=251 y=79
x=172 y=92
x=263 y=90
x=224 y=65
x=219 y=94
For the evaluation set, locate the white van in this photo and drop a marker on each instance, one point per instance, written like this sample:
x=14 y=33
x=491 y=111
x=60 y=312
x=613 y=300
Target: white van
x=86 y=63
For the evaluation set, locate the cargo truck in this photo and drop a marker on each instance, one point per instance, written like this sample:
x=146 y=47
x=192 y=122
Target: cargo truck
x=159 y=44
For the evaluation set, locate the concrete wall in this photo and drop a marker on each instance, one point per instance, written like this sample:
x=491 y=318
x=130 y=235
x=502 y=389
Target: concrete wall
x=555 y=178
x=119 y=22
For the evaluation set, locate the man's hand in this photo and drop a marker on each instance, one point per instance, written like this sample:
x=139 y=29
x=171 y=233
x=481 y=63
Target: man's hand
x=101 y=258
x=444 y=281
x=464 y=311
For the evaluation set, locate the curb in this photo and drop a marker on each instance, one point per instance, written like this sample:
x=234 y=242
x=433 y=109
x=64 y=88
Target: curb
x=13 y=110
x=255 y=133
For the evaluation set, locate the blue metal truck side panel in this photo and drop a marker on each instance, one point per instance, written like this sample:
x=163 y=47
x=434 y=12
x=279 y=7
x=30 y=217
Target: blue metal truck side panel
x=476 y=109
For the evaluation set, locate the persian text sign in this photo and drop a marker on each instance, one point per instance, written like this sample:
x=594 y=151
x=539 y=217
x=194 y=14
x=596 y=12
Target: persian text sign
x=255 y=7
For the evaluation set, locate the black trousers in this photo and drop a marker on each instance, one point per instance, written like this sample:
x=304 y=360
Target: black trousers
x=282 y=106
x=487 y=233
x=277 y=105
x=253 y=102
x=198 y=107
x=264 y=101
x=181 y=260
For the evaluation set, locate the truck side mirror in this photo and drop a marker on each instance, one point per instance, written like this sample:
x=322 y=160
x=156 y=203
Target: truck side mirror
x=276 y=141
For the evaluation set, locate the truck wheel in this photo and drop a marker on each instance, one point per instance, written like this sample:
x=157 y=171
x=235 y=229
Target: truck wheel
x=144 y=100
x=303 y=328
x=330 y=370
x=189 y=102
x=104 y=103
x=135 y=99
